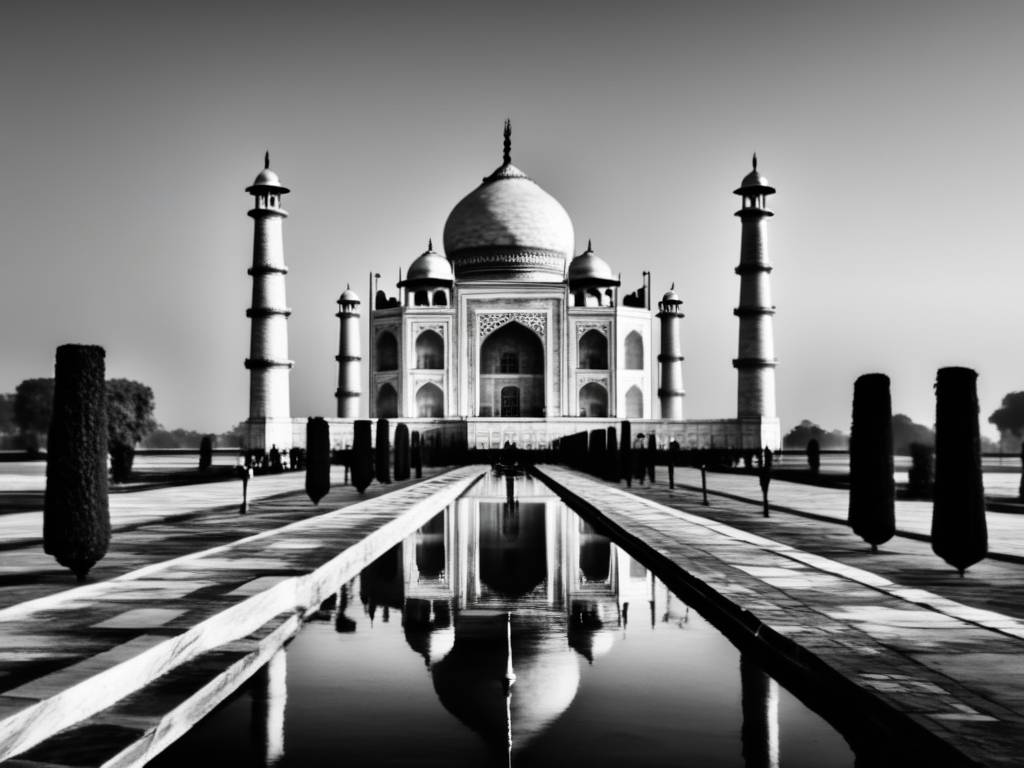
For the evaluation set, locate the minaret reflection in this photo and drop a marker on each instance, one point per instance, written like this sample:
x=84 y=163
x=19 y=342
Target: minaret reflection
x=760 y=732
x=269 y=695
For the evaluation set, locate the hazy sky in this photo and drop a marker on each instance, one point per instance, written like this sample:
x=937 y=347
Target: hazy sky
x=892 y=131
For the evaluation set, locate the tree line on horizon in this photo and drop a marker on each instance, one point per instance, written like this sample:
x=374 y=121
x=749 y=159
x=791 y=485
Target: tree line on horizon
x=25 y=416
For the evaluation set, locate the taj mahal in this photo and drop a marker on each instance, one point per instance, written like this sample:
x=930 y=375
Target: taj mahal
x=509 y=334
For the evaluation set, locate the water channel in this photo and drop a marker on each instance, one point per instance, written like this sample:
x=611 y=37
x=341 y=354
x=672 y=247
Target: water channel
x=510 y=634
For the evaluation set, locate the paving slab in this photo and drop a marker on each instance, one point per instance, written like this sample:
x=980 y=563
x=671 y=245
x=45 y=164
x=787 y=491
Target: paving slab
x=934 y=656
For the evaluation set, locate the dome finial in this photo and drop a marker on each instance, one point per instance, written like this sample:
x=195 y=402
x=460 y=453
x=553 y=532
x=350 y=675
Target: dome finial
x=266 y=159
x=508 y=141
x=589 y=246
x=673 y=286
x=430 y=244
x=755 y=161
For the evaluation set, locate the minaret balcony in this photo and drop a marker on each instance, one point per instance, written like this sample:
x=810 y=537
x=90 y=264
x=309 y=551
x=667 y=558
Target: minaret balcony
x=753 y=311
x=267 y=311
x=754 y=362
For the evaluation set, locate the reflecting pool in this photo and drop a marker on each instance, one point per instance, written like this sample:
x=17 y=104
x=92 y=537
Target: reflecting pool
x=508 y=631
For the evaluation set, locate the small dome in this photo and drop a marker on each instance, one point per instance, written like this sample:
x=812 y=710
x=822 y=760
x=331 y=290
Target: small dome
x=267 y=178
x=754 y=181
x=671 y=297
x=591 y=268
x=348 y=296
x=430 y=265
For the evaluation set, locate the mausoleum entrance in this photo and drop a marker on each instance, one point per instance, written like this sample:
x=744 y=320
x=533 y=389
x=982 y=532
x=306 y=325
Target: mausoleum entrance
x=512 y=373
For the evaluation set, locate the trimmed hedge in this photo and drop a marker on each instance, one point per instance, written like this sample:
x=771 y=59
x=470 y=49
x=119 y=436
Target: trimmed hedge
x=872 y=512
x=76 y=517
x=959 y=531
x=318 y=458
x=361 y=455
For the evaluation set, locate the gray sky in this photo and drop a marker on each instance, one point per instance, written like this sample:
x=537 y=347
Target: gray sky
x=891 y=130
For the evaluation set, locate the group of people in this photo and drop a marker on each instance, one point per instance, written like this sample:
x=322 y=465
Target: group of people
x=276 y=460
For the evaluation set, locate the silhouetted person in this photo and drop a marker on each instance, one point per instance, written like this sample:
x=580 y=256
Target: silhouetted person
x=275 y=459
x=766 y=477
x=638 y=455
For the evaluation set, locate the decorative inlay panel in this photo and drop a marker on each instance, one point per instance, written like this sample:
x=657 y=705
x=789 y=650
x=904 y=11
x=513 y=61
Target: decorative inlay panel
x=585 y=325
x=489 y=322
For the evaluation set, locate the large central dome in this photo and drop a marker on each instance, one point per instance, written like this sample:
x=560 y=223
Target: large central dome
x=509 y=228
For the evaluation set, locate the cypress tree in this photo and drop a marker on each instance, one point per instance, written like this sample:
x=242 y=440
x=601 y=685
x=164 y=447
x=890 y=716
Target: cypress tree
x=361 y=456
x=382 y=462
x=417 y=454
x=959 y=533
x=814 y=456
x=596 y=452
x=626 y=455
x=652 y=456
x=401 y=452
x=205 y=453
x=76 y=518
x=872 y=513
x=318 y=458
x=611 y=472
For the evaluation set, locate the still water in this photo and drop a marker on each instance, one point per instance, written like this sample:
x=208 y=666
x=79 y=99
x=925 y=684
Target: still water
x=510 y=633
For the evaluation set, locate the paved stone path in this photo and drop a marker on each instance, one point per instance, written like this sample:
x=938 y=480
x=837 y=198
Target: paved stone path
x=73 y=652
x=943 y=651
x=141 y=507
x=152 y=526
x=1005 y=530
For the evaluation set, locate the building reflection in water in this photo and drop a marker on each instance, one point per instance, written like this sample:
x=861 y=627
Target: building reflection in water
x=497 y=590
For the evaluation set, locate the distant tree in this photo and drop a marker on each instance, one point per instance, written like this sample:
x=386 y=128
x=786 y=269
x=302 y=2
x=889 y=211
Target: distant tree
x=234 y=437
x=129 y=419
x=206 y=453
x=959 y=531
x=799 y=436
x=872 y=510
x=814 y=455
x=76 y=518
x=905 y=432
x=1009 y=420
x=33 y=406
x=7 y=423
x=161 y=437
x=921 y=476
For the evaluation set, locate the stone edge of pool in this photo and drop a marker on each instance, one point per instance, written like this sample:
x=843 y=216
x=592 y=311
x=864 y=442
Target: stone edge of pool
x=105 y=683
x=803 y=670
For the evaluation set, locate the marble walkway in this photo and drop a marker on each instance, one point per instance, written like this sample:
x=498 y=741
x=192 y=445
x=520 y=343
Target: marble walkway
x=1006 y=530
x=69 y=654
x=899 y=628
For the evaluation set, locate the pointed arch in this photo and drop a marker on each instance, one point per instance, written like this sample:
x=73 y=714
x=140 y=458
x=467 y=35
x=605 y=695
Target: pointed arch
x=387 y=352
x=634 y=348
x=429 y=350
x=634 y=403
x=387 y=402
x=593 y=350
x=429 y=401
x=593 y=400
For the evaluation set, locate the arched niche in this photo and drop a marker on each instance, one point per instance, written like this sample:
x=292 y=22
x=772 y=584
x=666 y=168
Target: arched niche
x=387 y=352
x=593 y=350
x=429 y=350
x=634 y=348
x=634 y=403
x=593 y=400
x=429 y=401
x=387 y=402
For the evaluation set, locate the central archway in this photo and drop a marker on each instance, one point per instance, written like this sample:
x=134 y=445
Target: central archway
x=512 y=358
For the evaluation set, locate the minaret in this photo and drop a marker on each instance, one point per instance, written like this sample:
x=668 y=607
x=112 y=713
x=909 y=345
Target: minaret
x=755 y=364
x=671 y=358
x=349 y=358
x=268 y=363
